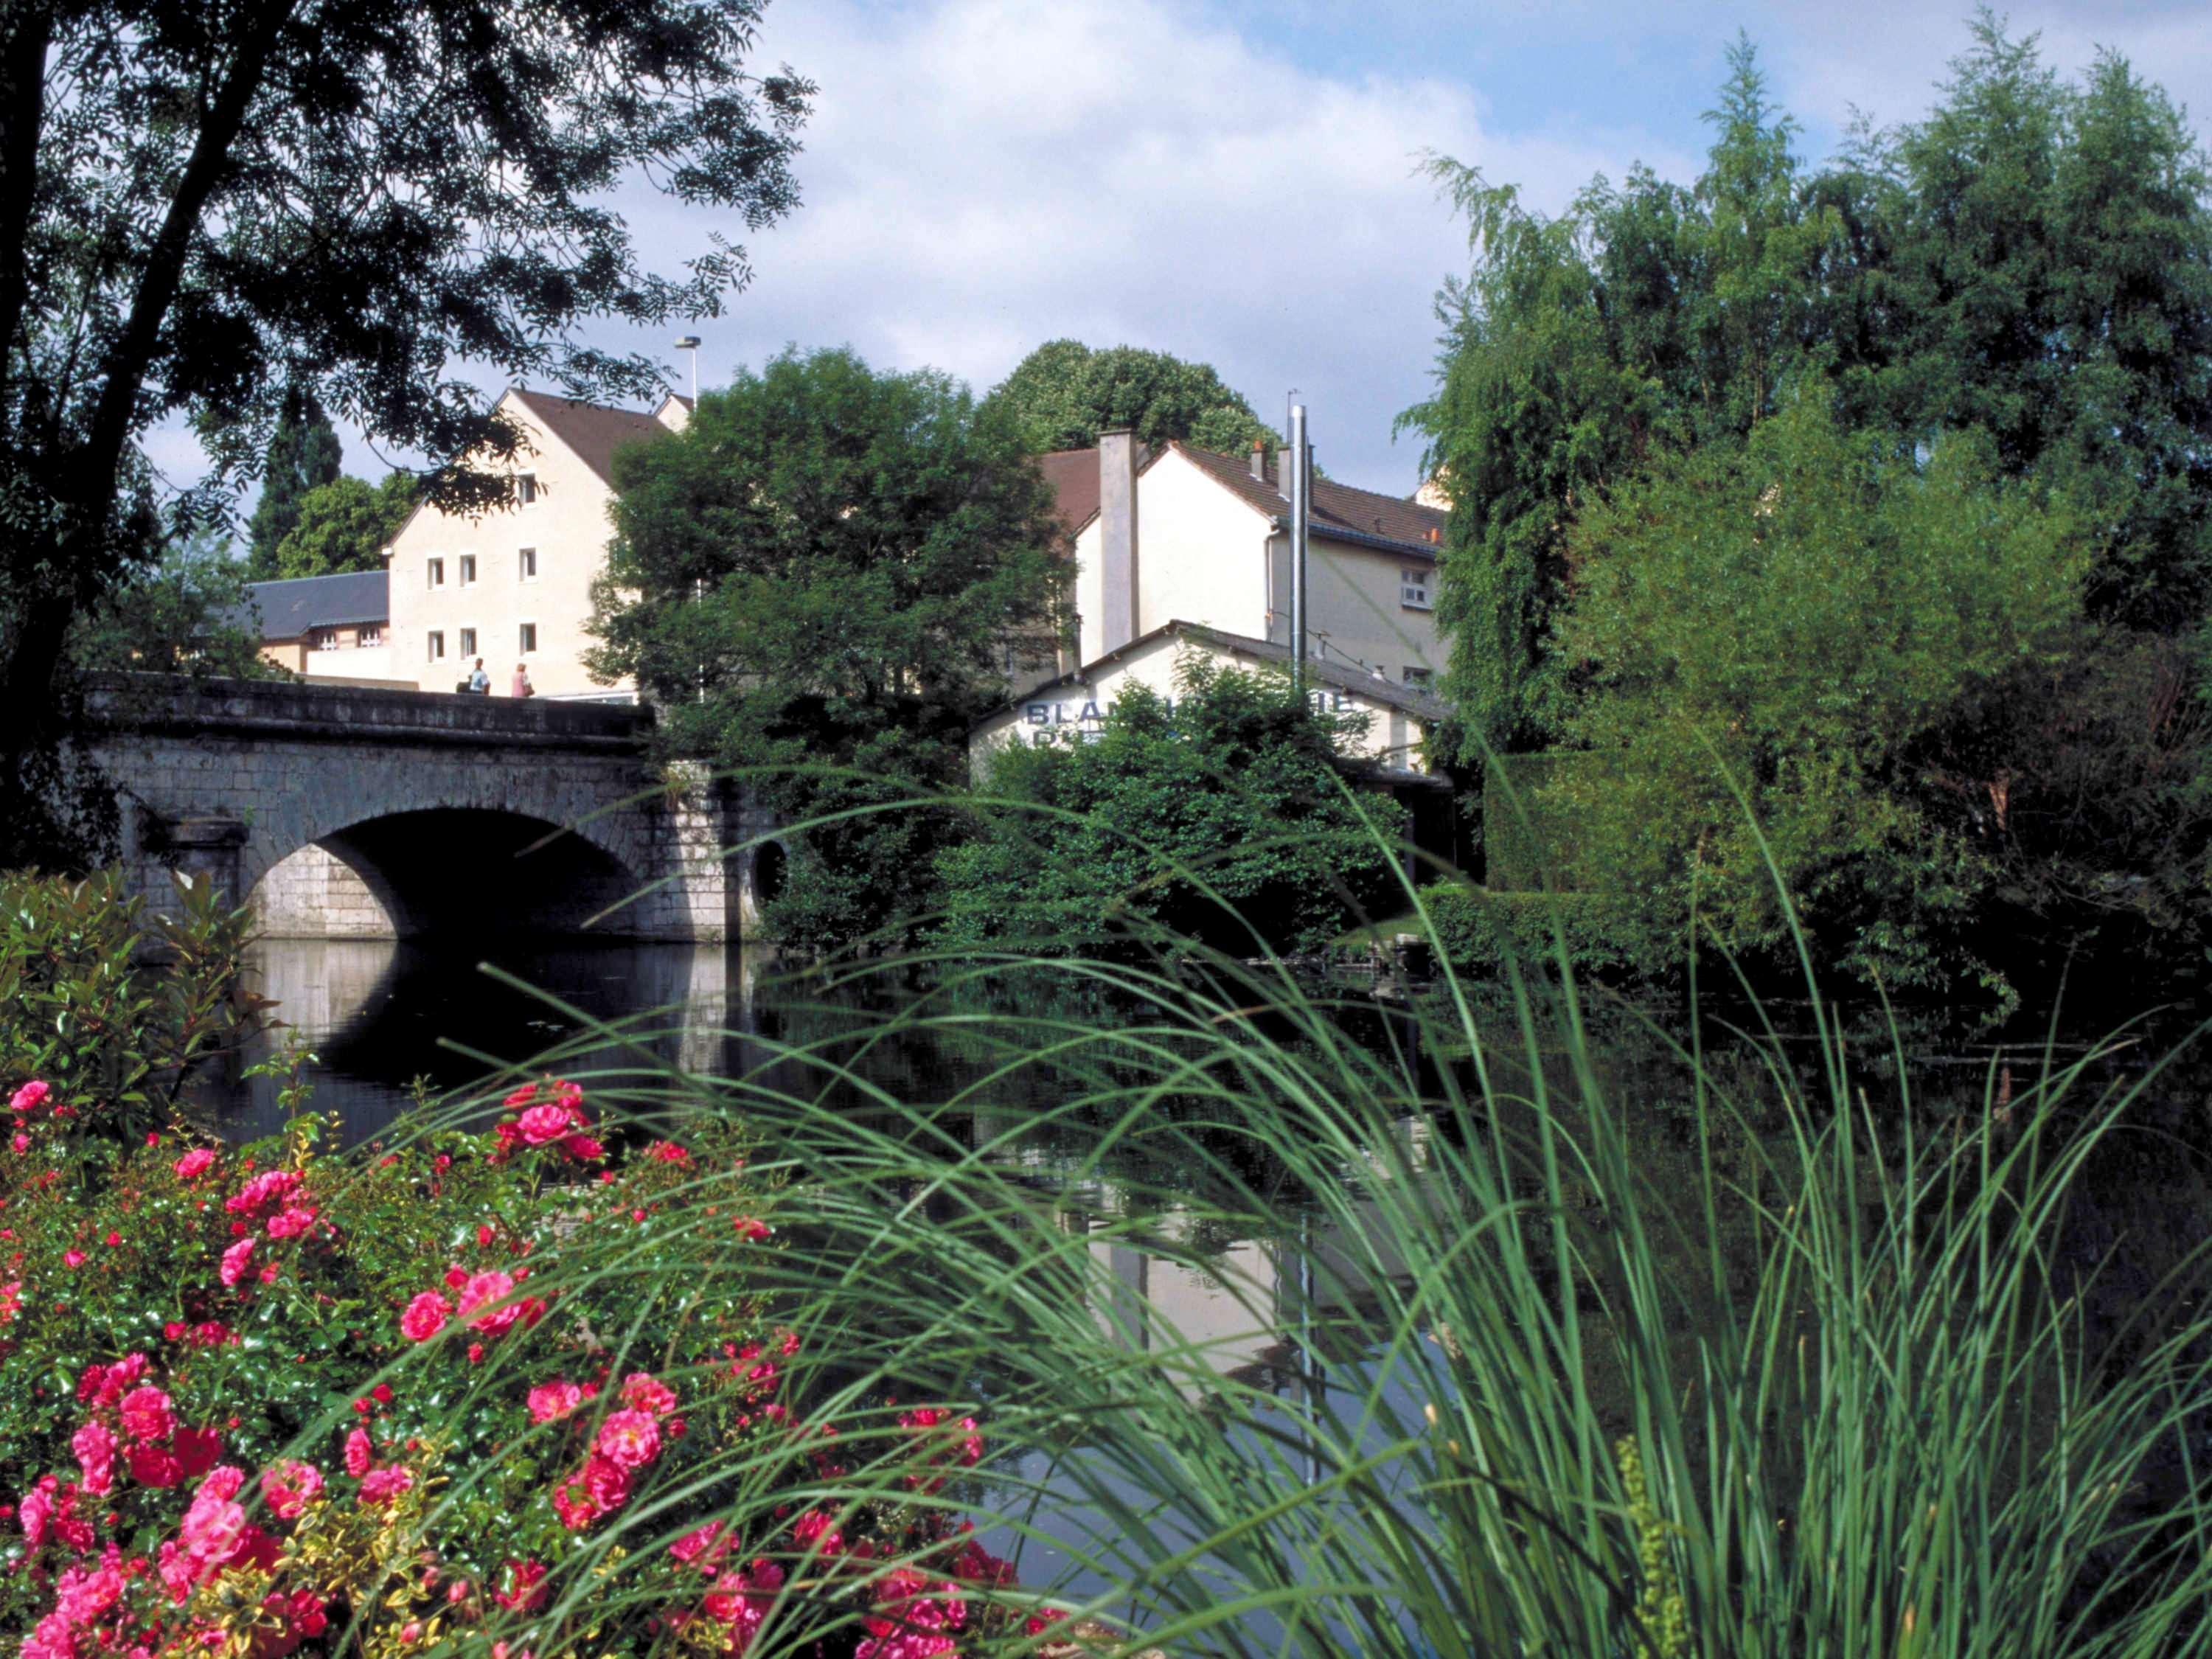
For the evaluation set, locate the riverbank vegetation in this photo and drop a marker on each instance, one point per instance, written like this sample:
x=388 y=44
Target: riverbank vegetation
x=1919 y=433
x=1783 y=1357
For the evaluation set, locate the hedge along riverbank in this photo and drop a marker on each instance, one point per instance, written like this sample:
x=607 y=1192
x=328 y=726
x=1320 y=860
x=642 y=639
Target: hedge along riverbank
x=537 y=1385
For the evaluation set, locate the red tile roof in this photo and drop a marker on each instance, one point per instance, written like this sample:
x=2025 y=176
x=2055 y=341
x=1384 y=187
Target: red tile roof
x=1336 y=508
x=593 y=430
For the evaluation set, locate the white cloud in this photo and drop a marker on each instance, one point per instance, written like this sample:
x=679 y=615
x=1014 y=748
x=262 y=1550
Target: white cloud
x=981 y=176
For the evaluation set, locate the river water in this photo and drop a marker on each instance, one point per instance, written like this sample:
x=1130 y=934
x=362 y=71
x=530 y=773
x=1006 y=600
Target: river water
x=384 y=1020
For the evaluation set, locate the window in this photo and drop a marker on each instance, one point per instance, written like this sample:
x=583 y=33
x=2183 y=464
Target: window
x=468 y=570
x=468 y=641
x=529 y=638
x=433 y=572
x=324 y=639
x=526 y=489
x=370 y=634
x=437 y=645
x=1413 y=589
x=526 y=564
x=1424 y=677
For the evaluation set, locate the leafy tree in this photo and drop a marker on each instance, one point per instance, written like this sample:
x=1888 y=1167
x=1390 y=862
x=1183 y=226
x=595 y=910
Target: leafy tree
x=1220 y=817
x=1064 y=394
x=1801 y=619
x=303 y=455
x=346 y=525
x=189 y=612
x=1645 y=315
x=831 y=568
x=208 y=207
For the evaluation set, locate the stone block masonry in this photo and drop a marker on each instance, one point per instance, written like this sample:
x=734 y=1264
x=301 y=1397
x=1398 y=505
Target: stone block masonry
x=348 y=812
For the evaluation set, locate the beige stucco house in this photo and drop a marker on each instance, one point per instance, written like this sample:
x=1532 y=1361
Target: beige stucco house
x=515 y=586
x=332 y=629
x=1204 y=539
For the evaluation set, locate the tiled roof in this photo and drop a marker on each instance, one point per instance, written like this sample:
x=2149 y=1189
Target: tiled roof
x=1338 y=510
x=593 y=430
x=291 y=608
x=1336 y=507
x=1073 y=476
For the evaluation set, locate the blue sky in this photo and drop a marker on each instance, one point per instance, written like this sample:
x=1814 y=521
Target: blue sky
x=1236 y=182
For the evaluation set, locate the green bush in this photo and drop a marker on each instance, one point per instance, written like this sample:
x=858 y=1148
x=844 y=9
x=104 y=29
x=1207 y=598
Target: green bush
x=1223 y=818
x=1476 y=929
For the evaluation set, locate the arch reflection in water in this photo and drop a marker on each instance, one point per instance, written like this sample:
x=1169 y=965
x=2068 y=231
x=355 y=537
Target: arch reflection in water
x=378 y=1013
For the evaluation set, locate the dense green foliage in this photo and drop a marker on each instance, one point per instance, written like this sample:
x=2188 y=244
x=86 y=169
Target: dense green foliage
x=304 y=454
x=188 y=613
x=823 y=579
x=2023 y=277
x=1221 y=816
x=1064 y=394
x=1778 y=635
x=213 y=215
x=346 y=525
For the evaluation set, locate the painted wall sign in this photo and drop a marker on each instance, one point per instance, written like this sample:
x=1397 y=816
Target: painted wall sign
x=1089 y=714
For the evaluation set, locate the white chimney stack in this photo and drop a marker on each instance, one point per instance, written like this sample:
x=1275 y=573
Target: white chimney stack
x=1117 y=536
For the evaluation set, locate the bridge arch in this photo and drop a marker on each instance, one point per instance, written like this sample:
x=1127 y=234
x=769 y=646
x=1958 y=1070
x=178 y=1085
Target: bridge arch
x=437 y=870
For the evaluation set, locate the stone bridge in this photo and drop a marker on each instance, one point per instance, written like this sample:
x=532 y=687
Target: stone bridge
x=347 y=813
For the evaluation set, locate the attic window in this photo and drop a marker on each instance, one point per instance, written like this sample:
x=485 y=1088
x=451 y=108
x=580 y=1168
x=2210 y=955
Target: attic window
x=526 y=489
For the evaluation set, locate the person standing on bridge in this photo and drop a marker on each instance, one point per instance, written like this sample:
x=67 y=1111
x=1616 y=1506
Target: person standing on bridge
x=522 y=687
x=479 y=682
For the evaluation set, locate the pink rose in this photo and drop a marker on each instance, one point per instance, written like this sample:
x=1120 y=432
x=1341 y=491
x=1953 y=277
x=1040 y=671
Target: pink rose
x=549 y=1401
x=382 y=1486
x=194 y=1164
x=631 y=1439
x=360 y=1453
x=234 y=1263
x=154 y=1466
x=643 y=1391
x=147 y=1414
x=527 y=1587
x=541 y=1125
x=29 y=1098
x=72 y=1258
x=425 y=1317
x=583 y=1148
x=291 y=1223
x=94 y=1446
x=482 y=1291
x=290 y=1487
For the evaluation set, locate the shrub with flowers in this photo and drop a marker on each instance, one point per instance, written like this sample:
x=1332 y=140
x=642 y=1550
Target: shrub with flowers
x=522 y=1391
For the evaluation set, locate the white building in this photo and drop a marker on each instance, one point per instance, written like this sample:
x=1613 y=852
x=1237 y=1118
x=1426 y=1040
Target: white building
x=515 y=586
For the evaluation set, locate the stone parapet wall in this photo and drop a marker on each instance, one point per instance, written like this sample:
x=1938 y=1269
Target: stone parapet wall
x=407 y=799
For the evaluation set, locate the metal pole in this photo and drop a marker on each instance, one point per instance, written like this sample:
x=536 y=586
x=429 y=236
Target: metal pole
x=1299 y=484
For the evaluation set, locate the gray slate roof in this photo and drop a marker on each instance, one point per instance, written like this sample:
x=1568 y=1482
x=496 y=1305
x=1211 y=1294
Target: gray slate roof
x=291 y=608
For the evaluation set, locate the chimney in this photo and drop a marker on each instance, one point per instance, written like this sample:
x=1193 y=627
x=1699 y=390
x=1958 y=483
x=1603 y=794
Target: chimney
x=1117 y=536
x=1260 y=459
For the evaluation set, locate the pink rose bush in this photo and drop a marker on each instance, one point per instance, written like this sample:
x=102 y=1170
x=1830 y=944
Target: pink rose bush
x=274 y=1453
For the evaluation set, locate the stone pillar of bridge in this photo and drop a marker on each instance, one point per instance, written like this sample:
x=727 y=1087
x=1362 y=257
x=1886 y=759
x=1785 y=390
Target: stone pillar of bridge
x=201 y=848
x=699 y=827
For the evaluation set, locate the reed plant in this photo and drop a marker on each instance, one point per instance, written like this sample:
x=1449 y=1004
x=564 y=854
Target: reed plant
x=1790 y=1363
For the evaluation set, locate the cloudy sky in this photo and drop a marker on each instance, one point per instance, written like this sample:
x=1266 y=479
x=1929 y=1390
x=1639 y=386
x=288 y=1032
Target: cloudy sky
x=1237 y=182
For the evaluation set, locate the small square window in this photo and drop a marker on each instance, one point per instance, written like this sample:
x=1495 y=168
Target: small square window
x=526 y=489
x=468 y=641
x=468 y=570
x=529 y=638
x=437 y=644
x=433 y=572
x=1413 y=589
x=526 y=564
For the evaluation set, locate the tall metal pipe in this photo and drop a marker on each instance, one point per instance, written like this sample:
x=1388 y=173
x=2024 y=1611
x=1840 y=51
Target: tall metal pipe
x=1299 y=484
